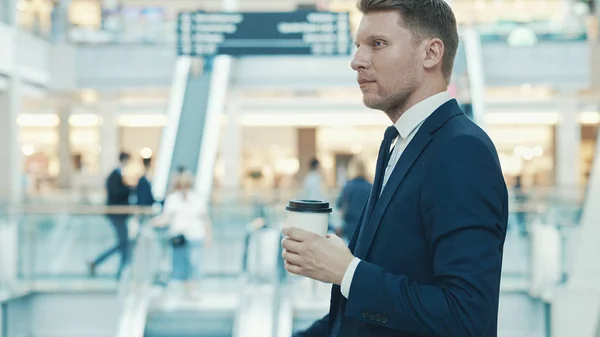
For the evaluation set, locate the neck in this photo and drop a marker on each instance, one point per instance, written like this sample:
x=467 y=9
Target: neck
x=420 y=93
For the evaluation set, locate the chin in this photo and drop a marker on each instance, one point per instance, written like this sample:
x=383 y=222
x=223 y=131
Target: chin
x=372 y=101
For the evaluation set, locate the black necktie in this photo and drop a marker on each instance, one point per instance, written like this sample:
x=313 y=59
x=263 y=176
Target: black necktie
x=382 y=160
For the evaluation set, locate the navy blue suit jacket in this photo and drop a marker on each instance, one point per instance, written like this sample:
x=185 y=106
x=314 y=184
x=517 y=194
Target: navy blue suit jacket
x=144 y=192
x=352 y=200
x=432 y=248
x=117 y=193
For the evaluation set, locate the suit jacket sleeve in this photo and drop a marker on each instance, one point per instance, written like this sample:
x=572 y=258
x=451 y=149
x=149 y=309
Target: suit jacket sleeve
x=463 y=208
x=144 y=192
x=116 y=186
x=318 y=329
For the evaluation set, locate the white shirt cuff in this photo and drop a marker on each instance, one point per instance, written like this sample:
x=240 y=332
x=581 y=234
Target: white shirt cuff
x=348 y=276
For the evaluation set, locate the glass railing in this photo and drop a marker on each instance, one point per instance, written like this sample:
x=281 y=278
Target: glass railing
x=56 y=243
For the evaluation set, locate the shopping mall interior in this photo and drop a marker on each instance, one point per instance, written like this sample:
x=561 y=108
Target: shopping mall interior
x=83 y=81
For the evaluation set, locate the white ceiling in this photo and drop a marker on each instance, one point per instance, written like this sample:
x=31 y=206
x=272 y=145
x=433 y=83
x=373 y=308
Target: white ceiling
x=216 y=5
x=466 y=10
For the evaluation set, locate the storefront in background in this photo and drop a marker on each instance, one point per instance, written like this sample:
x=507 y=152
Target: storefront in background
x=527 y=144
x=589 y=136
x=278 y=157
x=94 y=145
x=526 y=151
x=273 y=155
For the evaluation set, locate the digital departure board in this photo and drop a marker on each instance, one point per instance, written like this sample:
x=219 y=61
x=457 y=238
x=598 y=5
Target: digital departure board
x=287 y=33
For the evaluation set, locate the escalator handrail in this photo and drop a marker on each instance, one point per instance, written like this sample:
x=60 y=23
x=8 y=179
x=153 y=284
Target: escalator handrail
x=135 y=296
x=169 y=136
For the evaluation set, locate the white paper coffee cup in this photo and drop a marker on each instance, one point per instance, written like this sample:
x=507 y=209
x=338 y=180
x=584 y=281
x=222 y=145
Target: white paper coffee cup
x=309 y=215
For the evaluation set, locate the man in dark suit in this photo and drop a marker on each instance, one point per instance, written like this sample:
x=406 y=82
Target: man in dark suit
x=144 y=188
x=425 y=259
x=118 y=193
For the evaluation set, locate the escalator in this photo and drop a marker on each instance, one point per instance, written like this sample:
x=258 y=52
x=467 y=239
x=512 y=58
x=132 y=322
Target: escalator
x=190 y=322
x=182 y=137
x=190 y=138
x=186 y=152
x=151 y=310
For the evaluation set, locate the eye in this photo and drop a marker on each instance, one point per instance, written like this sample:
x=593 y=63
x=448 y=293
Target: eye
x=378 y=44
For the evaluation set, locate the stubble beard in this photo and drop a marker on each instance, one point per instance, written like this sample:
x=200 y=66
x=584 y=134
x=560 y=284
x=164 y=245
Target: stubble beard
x=391 y=104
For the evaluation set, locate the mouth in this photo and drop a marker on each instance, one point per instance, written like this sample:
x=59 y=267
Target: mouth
x=364 y=83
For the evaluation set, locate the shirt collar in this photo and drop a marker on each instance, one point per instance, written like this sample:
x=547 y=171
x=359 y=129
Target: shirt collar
x=414 y=116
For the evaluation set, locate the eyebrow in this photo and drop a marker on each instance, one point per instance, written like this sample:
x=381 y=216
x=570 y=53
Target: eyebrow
x=373 y=38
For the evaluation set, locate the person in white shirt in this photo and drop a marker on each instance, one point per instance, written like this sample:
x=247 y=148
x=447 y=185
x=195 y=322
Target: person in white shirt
x=190 y=230
x=313 y=185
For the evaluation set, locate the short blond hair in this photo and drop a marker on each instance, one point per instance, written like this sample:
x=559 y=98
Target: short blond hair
x=183 y=181
x=357 y=169
x=425 y=19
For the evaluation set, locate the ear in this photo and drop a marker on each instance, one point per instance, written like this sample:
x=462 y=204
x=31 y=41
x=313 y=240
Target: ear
x=434 y=53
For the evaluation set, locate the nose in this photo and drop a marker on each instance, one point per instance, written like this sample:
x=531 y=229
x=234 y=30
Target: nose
x=360 y=60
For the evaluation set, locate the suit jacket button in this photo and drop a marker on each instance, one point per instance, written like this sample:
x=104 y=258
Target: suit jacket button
x=365 y=314
x=384 y=320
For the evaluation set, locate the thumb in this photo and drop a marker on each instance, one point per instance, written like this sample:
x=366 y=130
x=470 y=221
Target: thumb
x=333 y=237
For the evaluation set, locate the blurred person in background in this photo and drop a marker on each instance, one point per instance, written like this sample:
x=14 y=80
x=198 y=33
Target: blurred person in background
x=520 y=199
x=313 y=186
x=118 y=193
x=80 y=180
x=353 y=197
x=144 y=187
x=175 y=176
x=189 y=228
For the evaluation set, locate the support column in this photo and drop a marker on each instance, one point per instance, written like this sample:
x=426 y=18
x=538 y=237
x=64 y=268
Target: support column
x=231 y=153
x=307 y=149
x=567 y=144
x=11 y=176
x=109 y=141
x=11 y=181
x=576 y=306
x=593 y=30
x=64 y=148
x=60 y=22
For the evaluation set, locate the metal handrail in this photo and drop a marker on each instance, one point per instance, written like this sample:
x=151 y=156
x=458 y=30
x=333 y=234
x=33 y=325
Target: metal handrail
x=134 y=300
x=78 y=210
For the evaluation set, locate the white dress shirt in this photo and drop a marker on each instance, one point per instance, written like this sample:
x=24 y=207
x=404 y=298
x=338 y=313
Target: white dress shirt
x=314 y=186
x=408 y=125
x=186 y=215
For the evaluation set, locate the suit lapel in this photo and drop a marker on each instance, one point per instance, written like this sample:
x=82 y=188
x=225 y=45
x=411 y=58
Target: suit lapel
x=407 y=159
x=410 y=155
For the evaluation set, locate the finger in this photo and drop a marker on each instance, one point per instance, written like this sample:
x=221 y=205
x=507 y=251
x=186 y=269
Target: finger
x=293 y=268
x=291 y=245
x=292 y=258
x=298 y=234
